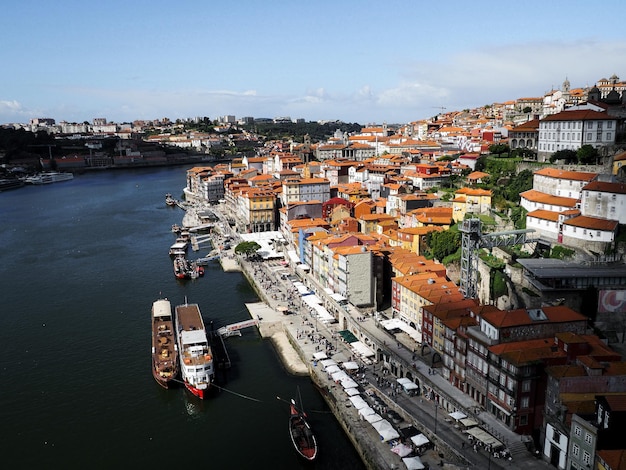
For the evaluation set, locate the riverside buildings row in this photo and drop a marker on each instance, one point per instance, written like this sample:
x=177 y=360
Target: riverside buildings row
x=369 y=249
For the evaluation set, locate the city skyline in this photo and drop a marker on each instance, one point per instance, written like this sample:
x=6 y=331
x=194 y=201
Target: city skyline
x=352 y=61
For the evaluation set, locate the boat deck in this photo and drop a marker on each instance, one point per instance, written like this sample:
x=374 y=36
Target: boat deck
x=189 y=317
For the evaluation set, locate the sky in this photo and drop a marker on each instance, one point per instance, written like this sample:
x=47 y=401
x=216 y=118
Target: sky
x=355 y=61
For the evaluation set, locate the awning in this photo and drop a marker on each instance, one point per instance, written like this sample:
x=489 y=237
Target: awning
x=327 y=362
x=373 y=418
x=484 y=437
x=352 y=391
x=320 y=355
x=348 y=383
x=348 y=336
x=395 y=323
x=339 y=376
x=468 y=422
x=338 y=298
x=419 y=440
x=413 y=463
x=293 y=256
x=366 y=410
x=350 y=365
x=332 y=369
x=457 y=415
x=385 y=430
x=504 y=410
x=358 y=402
x=401 y=449
x=407 y=384
x=361 y=349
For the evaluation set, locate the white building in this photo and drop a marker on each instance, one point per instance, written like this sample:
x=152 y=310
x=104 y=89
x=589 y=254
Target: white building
x=604 y=199
x=573 y=129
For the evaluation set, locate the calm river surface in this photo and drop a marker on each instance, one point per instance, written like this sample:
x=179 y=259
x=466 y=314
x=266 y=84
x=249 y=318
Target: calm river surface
x=82 y=262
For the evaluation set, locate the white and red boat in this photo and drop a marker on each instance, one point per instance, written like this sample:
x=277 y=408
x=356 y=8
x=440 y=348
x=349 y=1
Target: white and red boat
x=164 y=349
x=196 y=356
x=302 y=436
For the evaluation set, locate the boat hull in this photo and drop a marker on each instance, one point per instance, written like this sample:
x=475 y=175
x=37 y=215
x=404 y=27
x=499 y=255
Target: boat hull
x=201 y=393
x=302 y=436
x=164 y=349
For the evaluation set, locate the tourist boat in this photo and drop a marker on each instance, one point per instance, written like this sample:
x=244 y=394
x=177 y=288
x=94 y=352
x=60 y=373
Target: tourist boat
x=164 y=348
x=196 y=356
x=181 y=268
x=178 y=249
x=301 y=434
x=47 y=177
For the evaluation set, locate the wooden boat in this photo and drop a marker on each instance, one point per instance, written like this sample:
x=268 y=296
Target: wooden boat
x=164 y=348
x=301 y=434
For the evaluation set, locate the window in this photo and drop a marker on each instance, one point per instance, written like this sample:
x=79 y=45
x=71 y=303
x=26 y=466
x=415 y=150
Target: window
x=588 y=438
x=609 y=136
x=575 y=450
x=524 y=402
x=526 y=386
x=577 y=430
x=586 y=457
x=589 y=136
x=590 y=126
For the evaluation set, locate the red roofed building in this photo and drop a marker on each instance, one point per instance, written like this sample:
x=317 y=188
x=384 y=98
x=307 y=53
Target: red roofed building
x=573 y=129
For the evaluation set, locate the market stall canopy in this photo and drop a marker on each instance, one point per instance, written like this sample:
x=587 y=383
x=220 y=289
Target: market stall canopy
x=419 y=440
x=401 y=449
x=348 y=336
x=468 y=422
x=366 y=410
x=413 y=463
x=385 y=430
x=320 y=355
x=407 y=384
x=350 y=365
x=332 y=369
x=339 y=376
x=374 y=418
x=352 y=391
x=327 y=363
x=348 y=383
x=358 y=402
x=361 y=349
x=484 y=437
x=457 y=415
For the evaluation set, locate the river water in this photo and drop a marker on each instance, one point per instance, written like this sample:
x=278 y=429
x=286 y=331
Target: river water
x=82 y=262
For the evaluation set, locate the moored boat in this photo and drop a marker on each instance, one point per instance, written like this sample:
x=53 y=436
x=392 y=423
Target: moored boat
x=196 y=356
x=181 y=268
x=169 y=200
x=164 y=348
x=301 y=433
x=47 y=177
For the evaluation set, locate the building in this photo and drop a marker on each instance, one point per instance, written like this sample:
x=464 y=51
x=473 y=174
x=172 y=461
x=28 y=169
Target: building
x=573 y=129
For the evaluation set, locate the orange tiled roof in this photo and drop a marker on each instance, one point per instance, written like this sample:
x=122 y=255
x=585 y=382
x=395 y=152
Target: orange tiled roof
x=606 y=187
x=537 y=196
x=593 y=223
x=544 y=215
x=566 y=175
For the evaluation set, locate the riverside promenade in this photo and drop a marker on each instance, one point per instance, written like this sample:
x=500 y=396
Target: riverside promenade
x=298 y=336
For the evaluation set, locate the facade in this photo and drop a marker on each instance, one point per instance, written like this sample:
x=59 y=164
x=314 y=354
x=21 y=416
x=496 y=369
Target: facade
x=306 y=190
x=573 y=129
x=604 y=200
x=525 y=136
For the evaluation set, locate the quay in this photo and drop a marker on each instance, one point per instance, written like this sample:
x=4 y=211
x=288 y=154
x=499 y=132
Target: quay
x=299 y=337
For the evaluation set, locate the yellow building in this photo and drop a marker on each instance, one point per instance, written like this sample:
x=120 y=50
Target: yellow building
x=470 y=201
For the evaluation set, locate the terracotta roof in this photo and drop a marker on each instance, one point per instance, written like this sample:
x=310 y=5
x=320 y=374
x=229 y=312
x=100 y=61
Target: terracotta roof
x=544 y=215
x=578 y=115
x=606 y=187
x=566 y=175
x=594 y=223
x=529 y=126
x=558 y=314
x=537 y=196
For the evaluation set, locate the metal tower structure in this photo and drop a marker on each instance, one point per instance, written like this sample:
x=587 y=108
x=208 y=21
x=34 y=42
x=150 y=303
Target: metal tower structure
x=472 y=239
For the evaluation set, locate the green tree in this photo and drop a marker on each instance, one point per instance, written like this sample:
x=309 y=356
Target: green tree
x=247 y=248
x=567 y=155
x=443 y=243
x=587 y=155
x=499 y=149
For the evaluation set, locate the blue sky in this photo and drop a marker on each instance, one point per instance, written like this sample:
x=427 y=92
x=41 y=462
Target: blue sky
x=357 y=61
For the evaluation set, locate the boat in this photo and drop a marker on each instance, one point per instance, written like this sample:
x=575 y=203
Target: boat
x=181 y=268
x=164 y=348
x=178 y=249
x=47 y=177
x=169 y=200
x=301 y=433
x=196 y=355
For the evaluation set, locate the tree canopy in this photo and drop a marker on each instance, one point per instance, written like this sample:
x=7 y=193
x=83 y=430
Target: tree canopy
x=247 y=248
x=443 y=243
